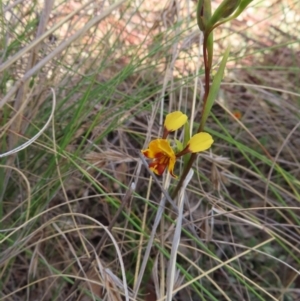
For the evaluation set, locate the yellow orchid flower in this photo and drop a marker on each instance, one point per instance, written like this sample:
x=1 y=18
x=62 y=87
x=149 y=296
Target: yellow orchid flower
x=162 y=154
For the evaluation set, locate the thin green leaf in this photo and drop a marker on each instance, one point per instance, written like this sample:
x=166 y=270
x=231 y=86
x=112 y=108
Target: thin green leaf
x=240 y=9
x=224 y=10
x=214 y=89
x=186 y=139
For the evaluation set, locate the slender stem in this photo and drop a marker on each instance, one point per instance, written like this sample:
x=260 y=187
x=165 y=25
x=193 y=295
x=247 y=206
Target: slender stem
x=200 y=129
x=207 y=74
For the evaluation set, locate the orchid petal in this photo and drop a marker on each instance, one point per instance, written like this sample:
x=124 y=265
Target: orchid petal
x=174 y=121
x=200 y=142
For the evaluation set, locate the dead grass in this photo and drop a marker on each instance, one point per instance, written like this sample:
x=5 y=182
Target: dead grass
x=115 y=72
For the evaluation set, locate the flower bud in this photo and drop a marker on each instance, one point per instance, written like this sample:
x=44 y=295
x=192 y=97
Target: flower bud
x=224 y=10
x=203 y=13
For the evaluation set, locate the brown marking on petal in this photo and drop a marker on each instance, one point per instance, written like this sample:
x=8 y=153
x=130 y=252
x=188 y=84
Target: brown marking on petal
x=163 y=159
x=145 y=153
x=161 y=168
x=157 y=168
x=153 y=168
x=159 y=156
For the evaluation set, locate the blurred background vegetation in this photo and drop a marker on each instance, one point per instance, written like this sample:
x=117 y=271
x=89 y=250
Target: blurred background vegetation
x=111 y=70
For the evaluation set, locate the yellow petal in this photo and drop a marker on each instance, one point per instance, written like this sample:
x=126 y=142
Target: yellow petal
x=166 y=148
x=200 y=142
x=174 y=121
x=171 y=166
x=153 y=149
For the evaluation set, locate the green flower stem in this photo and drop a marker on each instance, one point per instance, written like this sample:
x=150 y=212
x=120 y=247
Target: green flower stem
x=211 y=90
x=207 y=68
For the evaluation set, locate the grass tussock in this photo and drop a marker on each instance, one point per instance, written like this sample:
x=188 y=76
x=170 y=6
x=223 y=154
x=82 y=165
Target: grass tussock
x=80 y=216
